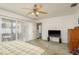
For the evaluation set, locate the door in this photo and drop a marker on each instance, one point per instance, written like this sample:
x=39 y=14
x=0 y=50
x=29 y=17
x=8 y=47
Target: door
x=8 y=29
x=22 y=31
x=39 y=30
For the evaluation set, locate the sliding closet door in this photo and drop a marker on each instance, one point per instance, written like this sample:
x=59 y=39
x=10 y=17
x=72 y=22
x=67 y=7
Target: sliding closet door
x=8 y=29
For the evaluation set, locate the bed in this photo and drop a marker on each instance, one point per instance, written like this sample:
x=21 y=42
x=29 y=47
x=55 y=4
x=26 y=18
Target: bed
x=19 y=48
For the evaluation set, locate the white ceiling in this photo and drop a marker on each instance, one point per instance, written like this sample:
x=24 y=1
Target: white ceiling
x=53 y=9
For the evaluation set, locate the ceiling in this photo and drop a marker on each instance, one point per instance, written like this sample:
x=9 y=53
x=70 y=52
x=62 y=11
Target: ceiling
x=53 y=9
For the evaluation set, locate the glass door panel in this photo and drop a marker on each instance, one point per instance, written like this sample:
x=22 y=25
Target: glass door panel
x=9 y=29
x=21 y=30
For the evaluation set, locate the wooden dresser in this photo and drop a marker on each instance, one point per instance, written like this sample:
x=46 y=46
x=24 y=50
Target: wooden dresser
x=73 y=38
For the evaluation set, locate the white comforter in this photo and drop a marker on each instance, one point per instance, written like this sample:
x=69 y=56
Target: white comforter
x=19 y=48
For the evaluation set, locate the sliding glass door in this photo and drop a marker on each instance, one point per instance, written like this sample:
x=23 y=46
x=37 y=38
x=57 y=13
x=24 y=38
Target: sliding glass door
x=21 y=30
x=8 y=29
x=14 y=30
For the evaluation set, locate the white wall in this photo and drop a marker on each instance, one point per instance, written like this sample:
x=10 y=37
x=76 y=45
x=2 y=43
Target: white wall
x=0 y=29
x=62 y=23
x=77 y=16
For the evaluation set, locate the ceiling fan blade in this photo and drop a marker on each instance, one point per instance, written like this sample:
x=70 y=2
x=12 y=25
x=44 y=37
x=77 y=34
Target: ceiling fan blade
x=27 y=8
x=33 y=13
x=29 y=13
x=42 y=12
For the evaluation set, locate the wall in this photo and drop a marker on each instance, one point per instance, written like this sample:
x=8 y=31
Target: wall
x=62 y=23
x=13 y=16
x=0 y=29
x=77 y=16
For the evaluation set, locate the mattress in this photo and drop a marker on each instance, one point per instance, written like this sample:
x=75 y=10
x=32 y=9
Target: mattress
x=19 y=48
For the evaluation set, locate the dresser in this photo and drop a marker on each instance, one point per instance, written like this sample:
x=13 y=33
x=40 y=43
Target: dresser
x=73 y=39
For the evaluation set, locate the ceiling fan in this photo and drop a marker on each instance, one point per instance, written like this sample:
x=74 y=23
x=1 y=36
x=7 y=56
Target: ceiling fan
x=37 y=9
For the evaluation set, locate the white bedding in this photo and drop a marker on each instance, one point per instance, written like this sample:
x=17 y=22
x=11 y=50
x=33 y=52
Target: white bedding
x=19 y=48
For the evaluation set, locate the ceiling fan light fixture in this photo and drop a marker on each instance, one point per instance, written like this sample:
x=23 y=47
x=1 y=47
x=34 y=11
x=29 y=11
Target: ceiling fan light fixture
x=37 y=13
x=32 y=13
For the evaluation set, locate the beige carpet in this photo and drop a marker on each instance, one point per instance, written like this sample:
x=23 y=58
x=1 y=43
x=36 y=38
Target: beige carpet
x=51 y=48
x=19 y=48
